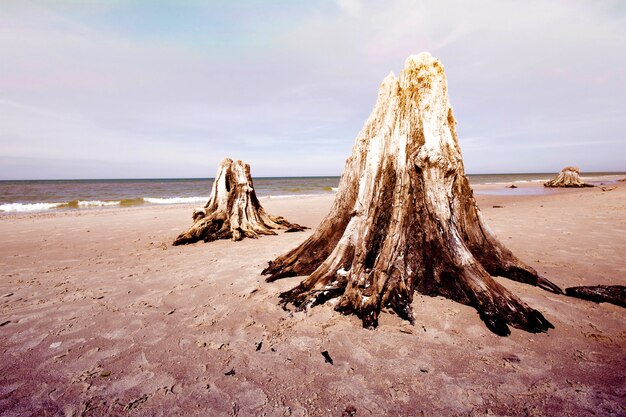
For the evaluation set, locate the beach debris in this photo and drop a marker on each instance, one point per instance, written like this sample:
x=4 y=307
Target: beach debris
x=233 y=210
x=498 y=206
x=134 y=403
x=105 y=374
x=350 y=411
x=512 y=358
x=230 y=373
x=216 y=346
x=569 y=177
x=258 y=345
x=607 y=188
x=327 y=357
x=512 y=186
x=4 y=323
x=6 y=295
x=614 y=294
x=405 y=219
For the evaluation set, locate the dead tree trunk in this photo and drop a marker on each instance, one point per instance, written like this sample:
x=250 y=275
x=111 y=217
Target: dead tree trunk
x=405 y=219
x=233 y=210
x=614 y=294
x=569 y=177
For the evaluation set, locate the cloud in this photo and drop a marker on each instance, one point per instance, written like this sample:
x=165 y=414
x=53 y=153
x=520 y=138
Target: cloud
x=158 y=90
x=350 y=7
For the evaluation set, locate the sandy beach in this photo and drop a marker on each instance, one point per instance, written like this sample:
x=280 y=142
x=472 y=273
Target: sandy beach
x=101 y=316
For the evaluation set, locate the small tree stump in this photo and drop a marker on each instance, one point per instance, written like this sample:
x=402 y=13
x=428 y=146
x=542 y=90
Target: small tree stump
x=405 y=219
x=233 y=210
x=569 y=177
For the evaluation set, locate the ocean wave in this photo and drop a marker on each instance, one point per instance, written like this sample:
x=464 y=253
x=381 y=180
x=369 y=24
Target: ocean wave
x=97 y=203
x=287 y=196
x=78 y=204
x=87 y=203
x=26 y=207
x=126 y=202
x=175 y=200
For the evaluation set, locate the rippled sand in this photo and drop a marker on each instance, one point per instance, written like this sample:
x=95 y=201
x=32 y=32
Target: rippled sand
x=100 y=315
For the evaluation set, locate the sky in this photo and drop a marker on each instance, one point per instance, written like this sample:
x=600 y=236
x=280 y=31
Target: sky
x=166 y=89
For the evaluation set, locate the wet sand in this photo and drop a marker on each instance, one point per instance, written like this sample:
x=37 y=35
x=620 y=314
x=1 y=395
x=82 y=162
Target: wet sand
x=100 y=315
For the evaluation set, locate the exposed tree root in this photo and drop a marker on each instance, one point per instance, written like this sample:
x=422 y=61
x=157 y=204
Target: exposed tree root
x=614 y=294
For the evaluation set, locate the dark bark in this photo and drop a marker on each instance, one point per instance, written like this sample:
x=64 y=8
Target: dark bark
x=405 y=219
x=614 y=294
x=233 y=210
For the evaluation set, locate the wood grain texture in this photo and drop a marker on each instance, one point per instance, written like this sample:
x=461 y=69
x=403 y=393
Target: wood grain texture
x=233 y=210
x=405 y=219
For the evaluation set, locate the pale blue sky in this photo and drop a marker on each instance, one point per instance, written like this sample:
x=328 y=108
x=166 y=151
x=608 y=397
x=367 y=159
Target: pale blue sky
x=118 y=89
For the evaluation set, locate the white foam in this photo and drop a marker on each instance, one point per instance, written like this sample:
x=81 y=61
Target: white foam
x=97 y=203
x=284 y=196
x=175 y=200
x=19 y=207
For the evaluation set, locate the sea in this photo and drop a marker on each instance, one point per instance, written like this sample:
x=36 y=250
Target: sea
x=54 y=195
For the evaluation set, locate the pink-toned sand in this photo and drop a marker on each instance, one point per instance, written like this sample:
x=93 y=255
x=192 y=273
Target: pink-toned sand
x=101 y=316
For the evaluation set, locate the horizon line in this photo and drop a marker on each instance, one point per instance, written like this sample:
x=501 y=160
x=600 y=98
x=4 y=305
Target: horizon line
x=278 y=176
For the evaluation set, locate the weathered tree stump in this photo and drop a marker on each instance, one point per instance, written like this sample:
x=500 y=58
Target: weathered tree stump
x=405 y=219
x=614 y=294
x=569 y=177
x=233 y=210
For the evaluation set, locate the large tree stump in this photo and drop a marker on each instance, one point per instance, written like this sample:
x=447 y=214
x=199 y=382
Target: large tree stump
x=569 y=177
x=233 y=210
x=405 y=219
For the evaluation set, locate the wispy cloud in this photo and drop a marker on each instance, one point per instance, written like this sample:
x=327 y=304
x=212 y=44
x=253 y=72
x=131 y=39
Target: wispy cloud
x=350 y=7
x=169 y=88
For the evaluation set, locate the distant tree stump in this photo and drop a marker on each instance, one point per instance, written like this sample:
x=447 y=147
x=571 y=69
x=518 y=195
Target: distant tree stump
x=569 y=177
x=405 y=219
x=233 y=210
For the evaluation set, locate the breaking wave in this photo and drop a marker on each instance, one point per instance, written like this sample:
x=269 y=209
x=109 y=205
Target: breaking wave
x=79 y=204
x=175 y=200
x=19 y=207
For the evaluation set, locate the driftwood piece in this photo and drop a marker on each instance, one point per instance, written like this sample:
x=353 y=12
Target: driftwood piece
x=405 y=219
x=614 y=294
x=233 y=210
x=569 y=177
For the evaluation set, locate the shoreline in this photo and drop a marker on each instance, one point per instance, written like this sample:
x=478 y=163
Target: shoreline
x=101 y=313
x=524 y=188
